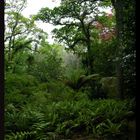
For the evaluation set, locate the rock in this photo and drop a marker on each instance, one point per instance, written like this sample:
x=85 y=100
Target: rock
x=109 y=85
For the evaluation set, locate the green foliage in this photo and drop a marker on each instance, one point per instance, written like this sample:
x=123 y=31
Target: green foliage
x=53 y=119
x=56 y=91
x=109 y=130
x=19 y=81
x=76 y=78
x=105 y=55
x=19 y=135
x=47 y=64
x=17 y=44
x=77 y=32
x=19 y=88
x=51 y=94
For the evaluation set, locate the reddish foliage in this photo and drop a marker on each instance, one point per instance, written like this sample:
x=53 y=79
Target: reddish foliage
x=99 y=25
x=107 y=35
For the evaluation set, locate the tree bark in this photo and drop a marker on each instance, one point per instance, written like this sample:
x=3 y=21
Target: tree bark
x=119 y=11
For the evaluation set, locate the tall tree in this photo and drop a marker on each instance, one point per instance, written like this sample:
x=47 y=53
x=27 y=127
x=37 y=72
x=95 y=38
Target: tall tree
x=125 y=24
x=20 y=33
x=76 y=19
x=12 y=18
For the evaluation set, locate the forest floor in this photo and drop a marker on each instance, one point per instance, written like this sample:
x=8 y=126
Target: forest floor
x=79 y=136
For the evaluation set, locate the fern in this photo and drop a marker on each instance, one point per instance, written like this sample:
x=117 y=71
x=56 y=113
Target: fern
x=20 y=135
x=78 y=81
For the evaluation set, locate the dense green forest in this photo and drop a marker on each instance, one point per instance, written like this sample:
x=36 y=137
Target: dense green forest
x=83 y=86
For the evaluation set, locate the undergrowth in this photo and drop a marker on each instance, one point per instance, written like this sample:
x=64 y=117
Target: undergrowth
x=55 y=112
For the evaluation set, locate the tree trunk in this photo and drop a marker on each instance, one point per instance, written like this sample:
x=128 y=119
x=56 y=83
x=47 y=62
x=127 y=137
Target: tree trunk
x=90 y=67
x=119 y=6
x=86 y=32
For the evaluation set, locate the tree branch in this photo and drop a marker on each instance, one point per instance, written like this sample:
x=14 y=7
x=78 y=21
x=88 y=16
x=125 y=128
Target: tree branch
x=76 y=42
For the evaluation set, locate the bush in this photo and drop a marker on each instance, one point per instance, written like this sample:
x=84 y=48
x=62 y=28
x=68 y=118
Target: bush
x=50 y=110
x=19 y=88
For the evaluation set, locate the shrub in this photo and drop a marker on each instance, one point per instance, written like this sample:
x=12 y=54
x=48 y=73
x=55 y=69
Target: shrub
x=19 y=88
x=45 y=118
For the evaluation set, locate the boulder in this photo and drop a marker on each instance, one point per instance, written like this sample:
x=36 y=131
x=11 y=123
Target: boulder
x=109 y=85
